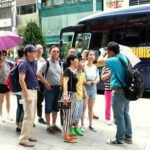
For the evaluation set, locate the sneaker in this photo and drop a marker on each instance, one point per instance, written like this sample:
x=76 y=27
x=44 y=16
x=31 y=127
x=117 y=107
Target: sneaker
x=78 y=131
x=95 y=117
x=92 y=129
x=114 y=142
x=9 y=118
x=18 y=130
x=72 y=131
x=42 y=121
x=56 y=128
x=108 y=122
x=27 y=144
x=51 y=130
x=128 y=141
x=2 y=118
x=82 y=128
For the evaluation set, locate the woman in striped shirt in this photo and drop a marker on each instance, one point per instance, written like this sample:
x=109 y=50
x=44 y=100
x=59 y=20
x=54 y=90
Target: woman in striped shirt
x=105 y=76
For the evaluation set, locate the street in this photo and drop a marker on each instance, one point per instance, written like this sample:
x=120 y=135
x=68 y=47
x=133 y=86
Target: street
x=139 y=111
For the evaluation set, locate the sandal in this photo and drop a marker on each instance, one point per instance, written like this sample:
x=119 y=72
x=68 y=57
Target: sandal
x=73 y=137
x=114 y=142
x=70 y=140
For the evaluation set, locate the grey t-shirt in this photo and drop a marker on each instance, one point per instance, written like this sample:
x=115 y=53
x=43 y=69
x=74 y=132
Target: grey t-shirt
x=54 y=72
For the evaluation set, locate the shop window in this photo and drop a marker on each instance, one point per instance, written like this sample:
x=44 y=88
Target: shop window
x=60 y=2
x=26 y=9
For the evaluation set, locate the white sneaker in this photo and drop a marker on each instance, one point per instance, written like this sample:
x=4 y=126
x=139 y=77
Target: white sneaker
x=82 y=128
x=9 y=118
x=108 y=122
x=2 y=118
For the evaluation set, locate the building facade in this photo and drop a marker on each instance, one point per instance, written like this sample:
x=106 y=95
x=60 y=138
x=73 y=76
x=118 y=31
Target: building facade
x=58 y=14
x=26 y=11
x=7 y=15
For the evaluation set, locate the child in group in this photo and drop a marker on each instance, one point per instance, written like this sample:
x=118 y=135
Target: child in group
x=80 y=93
x=105 y=76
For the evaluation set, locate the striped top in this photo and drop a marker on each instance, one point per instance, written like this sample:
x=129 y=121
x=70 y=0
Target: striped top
x=106 y=82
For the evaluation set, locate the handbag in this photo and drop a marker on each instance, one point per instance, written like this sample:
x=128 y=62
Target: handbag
x=61 y=103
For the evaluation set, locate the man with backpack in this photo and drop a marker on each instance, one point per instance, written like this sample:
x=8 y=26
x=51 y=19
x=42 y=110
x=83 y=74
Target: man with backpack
x=29 y=85
x=52 y=80
x=120 y=103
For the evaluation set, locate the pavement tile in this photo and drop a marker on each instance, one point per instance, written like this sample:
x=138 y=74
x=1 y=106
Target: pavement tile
x=90 y=140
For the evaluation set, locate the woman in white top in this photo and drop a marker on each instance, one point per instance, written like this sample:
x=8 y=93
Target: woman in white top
x=92 y=78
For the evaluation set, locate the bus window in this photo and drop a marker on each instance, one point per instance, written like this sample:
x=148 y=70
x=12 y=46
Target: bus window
x=67 y=41
x=82 y=41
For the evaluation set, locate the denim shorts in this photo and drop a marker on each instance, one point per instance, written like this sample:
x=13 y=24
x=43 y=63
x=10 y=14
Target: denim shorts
x=51 y=100
x=91 y=91
x=78 y=110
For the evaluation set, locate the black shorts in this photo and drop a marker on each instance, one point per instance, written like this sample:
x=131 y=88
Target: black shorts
x=4 y=88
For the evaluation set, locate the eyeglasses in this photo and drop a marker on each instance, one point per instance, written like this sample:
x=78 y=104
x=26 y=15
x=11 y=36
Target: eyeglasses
x=55 y=51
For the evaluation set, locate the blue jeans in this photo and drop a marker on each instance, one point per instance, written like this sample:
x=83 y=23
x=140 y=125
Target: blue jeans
x=78 y=110
x=121 y=115
x=20 y=111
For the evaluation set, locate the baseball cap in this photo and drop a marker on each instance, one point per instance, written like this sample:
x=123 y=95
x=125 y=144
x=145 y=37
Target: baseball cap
x=29 y=48
x=113 y=46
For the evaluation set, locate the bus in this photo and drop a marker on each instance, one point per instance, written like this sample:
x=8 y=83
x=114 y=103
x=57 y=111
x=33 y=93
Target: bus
x=129 y=27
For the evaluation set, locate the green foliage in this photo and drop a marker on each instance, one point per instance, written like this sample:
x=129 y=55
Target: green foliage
x=33 y=35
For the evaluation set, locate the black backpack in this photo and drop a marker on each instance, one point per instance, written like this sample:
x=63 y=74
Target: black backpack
x=14 y=79
x=134 y=82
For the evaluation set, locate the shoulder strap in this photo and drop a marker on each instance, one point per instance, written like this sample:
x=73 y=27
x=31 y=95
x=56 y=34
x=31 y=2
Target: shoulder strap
x=124 y=63
x=47 y=67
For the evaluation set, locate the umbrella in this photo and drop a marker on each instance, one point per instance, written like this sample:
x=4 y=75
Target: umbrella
x=127 y=51
x=9 y=40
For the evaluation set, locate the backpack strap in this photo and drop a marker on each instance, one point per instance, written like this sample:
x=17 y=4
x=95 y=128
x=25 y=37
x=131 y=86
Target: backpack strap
x=47 y=67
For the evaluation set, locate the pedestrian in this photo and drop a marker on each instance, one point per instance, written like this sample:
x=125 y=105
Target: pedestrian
x=53 y=84
x=92 y=79
x=20 y=111
x=105 y=76
x=120 y=104
x=29 y=85
x=80 y=95
x=69 y=93
x=40 y=61
x=4 y=90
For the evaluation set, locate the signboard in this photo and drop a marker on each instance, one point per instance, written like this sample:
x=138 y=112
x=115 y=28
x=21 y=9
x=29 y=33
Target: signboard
x=5 y=22
x=115 y=4
x=5 y=3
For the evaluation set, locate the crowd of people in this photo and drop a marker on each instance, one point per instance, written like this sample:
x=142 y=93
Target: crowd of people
x=74 y=83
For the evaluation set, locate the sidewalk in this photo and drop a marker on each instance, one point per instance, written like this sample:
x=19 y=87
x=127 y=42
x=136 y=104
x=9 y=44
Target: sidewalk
x=139 y=111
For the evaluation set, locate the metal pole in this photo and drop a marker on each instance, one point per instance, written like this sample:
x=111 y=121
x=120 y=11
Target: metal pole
x=94 y=6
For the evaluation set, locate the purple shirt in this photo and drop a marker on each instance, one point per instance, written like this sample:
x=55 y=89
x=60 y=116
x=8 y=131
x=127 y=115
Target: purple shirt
x=27 y=67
